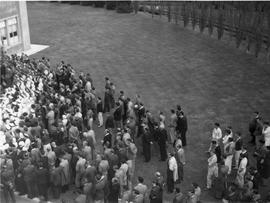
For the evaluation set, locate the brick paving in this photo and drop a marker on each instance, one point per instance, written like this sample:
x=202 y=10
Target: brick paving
x=166 y=63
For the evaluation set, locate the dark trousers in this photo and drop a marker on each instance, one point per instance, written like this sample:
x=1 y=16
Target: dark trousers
x=43 y=190
x=170 y=181
x=163 y=151
x=147 y=152
x=8 y=194
x=183 y=137
x=253 y=139
x=32 y=189
x=56 y=190
x=20 y=185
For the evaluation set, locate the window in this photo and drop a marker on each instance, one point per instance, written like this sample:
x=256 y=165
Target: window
x=3 y=33
x=12 y=29
x=9 y=31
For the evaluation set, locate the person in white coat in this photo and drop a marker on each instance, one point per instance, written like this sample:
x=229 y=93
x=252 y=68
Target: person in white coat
x=266 y=133
x=172 y=172
x=212 y=169
x=242 y=171
x=217 y=133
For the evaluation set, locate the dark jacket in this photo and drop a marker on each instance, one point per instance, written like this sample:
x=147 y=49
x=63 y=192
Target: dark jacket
x=117 y=115
x=99 y=107
x=42 y=176
x=182 y=124
x=109 y=122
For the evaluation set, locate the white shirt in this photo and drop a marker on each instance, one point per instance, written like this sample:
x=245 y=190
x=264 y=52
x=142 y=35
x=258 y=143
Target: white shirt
x=266 y=133
x=226 y=138
x=173 y=167
x=217 y=133
x=243 y=166
x=212 y=161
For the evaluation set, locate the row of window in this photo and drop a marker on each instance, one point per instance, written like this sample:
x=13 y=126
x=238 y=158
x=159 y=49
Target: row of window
x=9 y=32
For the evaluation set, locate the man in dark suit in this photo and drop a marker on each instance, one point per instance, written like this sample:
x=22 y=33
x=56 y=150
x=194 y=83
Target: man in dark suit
x=146 y=144
x=162 y=142
x=252 y=126
x=117 y=115
x=43 y=181
x=182 y=127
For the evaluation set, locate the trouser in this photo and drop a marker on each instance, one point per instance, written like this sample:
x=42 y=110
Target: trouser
x=252 y=137
x=257 y=140
x=240 y=179
x=228 y=162
x=8 y=193
x=212 y=171
x=236 y=157
x=172 y=134
x=90 y=123
x=183 y=137
x=78 y=178
x=100 y=118
x=147 y=152
x=20 y=185
x=43 y=190
x=163 y=151
x=56 y=190
x=131 y=168
x=170 y=181
x=32 y=189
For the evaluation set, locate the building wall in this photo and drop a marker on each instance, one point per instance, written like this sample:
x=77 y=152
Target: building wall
x=14 y=27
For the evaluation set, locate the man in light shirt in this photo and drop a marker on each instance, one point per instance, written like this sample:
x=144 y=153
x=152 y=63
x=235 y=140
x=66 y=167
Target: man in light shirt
x=241 y=170
x=229 y=151
x=266 y=133
x=217 y=133
x=212 y=169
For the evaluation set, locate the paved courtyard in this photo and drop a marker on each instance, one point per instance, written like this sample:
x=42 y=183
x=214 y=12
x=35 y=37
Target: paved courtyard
x=166 y=64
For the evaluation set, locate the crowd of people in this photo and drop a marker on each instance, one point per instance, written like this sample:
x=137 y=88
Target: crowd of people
x=48 y=143
x=231 y=174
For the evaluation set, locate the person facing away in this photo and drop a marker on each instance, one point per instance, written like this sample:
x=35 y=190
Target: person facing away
x=182 y=127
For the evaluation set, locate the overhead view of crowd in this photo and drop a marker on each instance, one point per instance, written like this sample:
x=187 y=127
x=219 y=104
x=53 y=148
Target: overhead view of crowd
x=48 y=142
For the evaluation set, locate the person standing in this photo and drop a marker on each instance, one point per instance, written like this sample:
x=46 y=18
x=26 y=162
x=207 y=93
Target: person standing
x=266 y=133
x=238 y=148
x=146 y=144
x=43 y=181
x=182 y=127
x=258 y=132
x=173 y=123
x=212 y=169
x=80 y=170
x=181 y=161
x=216 y=133
x=7 y=184
x=100 y=112
x=117 y=116
x=252 y=126
x=241 y=171
x=172 y=173
x=266 y=164
x=107 y=100
x=228 y=152
x=162 y=142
